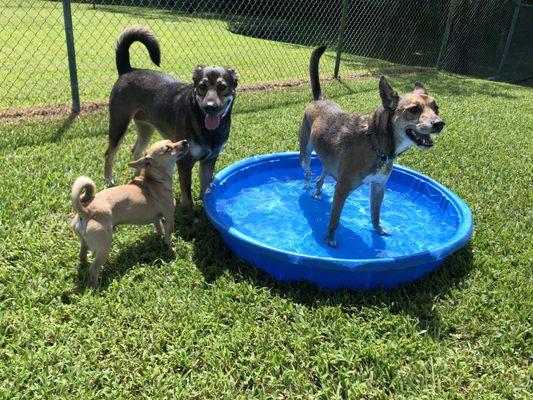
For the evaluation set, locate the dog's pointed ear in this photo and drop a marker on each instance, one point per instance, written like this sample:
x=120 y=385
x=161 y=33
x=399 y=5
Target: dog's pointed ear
x=197 y=73
x=143 y=162
x=389 y=97
x=234 y=75
x=419 y=89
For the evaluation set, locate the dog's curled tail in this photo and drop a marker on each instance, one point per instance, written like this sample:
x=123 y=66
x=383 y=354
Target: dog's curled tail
x=135 y=33
x=313 y=72
x=81 y=184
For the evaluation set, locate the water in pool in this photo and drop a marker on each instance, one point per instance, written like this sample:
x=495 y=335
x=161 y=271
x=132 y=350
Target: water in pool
x=272 y=208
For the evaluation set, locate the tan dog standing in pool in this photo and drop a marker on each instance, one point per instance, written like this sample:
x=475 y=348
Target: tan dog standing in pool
x=356 y=148
x=147 y=199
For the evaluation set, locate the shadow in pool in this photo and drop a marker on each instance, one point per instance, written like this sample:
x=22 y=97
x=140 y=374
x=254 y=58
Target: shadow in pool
x=417 y=299
x=317 y=214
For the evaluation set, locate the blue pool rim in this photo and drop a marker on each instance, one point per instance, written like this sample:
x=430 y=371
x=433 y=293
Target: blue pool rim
x=329 y=272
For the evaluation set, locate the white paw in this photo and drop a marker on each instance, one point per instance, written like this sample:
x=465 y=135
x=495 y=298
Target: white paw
x=331 y=243
x=381 y=231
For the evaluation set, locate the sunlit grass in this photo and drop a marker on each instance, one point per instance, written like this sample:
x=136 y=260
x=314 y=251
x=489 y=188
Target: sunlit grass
x=206 y=325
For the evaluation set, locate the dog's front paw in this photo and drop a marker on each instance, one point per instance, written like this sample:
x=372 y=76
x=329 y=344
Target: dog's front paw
x=306 y=186
x=331 y=242
x=109 y=182
x=381 y=231
x=317 y=195
x=170 y=248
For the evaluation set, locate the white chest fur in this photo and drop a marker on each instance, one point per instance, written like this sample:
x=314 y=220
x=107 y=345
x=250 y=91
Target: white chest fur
x=199 y=152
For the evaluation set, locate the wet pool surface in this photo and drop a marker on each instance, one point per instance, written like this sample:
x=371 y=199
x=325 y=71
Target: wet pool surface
x=272 y=208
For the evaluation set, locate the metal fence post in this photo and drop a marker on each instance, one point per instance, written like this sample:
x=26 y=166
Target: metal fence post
x=340 y=43
x=498 y=75
x=446 y=36
x=67 y=17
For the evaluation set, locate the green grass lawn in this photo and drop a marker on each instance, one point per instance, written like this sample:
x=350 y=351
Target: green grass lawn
x=34 y=67
x=205 y=325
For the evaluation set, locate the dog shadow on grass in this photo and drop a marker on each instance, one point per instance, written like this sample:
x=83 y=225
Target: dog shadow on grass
x=417 y=299
x=147 y=249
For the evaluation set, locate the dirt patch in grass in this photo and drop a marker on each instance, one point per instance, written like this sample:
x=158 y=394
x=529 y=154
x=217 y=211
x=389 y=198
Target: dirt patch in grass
x=58 y=110
x=62 y=110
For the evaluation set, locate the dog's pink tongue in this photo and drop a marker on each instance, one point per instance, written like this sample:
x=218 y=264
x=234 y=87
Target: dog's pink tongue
x=212 y=121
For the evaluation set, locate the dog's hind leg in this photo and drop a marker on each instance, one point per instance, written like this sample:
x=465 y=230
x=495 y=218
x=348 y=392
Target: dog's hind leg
x=117 y=128
x=158 y=226
x=144 y=134
x=83 y=250
x=94 y=269
x=98 y=237
x=317 y=194
x=305 y=150
x=79 y=228
x=169 y=228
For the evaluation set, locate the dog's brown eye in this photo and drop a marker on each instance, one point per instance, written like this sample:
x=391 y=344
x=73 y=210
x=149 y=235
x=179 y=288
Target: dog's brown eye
x=415 y=110
x=222 y=87
x=168 y=149
x=202 y=86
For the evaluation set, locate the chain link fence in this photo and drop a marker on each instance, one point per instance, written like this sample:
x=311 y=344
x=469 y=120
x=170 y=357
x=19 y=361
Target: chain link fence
x=265 y=40
x=489 y=39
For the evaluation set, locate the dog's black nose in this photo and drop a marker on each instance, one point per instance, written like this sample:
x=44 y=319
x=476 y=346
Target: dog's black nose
x=438 y=125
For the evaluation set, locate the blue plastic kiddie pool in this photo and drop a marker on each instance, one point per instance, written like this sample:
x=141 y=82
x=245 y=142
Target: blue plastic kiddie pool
x=265 y=216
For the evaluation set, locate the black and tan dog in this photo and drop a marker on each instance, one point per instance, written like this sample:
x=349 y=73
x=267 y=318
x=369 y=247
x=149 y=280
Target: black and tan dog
x=199 y=112
x=356 y=149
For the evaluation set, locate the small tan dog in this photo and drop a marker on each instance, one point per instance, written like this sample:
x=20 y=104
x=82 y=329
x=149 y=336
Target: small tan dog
x=146 y=199
x=357 y=148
